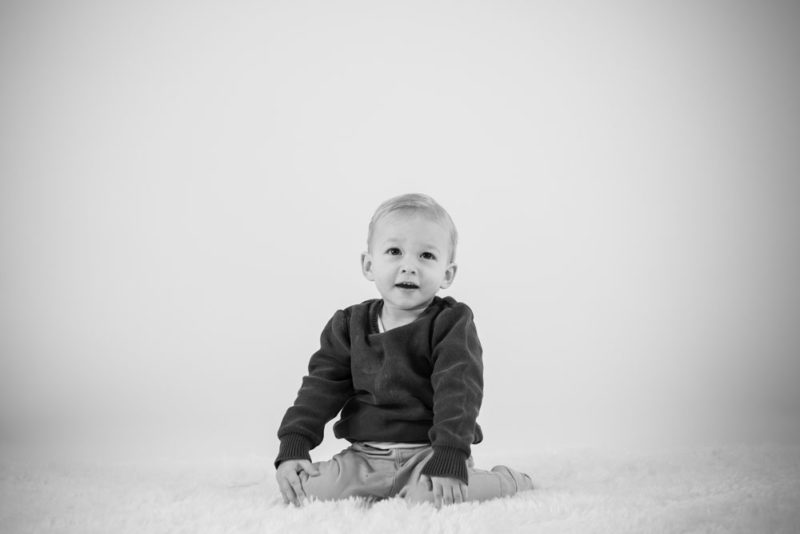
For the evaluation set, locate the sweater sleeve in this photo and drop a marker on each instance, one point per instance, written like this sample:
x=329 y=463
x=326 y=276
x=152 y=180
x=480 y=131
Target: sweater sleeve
x=322 y=394
x=457 y=381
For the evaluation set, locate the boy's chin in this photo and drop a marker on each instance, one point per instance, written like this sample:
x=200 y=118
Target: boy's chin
x=408 y=304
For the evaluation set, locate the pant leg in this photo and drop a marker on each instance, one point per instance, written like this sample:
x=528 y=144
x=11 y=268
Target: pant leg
x=500 y=481
x=352 y=473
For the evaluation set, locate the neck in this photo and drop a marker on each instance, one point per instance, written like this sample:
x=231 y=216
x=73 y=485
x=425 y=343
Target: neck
x=394 y=317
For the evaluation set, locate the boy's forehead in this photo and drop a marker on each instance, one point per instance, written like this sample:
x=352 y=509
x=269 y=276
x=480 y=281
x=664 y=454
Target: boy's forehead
x=393 y=228
x=397 y=221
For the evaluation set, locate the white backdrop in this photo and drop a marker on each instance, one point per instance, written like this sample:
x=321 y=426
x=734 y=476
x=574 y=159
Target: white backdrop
x=186 y=186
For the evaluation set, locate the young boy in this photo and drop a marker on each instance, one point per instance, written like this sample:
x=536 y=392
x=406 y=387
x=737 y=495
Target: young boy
x=406 y=373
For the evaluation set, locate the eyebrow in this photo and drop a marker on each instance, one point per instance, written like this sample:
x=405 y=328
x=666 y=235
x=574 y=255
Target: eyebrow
x=432 y=247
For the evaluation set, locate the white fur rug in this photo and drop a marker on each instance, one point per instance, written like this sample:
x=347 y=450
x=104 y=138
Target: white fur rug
x=728 y=489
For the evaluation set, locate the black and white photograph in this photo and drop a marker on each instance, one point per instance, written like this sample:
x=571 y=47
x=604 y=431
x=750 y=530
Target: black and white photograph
x=306 y=266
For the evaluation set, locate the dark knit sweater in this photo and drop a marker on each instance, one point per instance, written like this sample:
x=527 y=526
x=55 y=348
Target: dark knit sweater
x=421 y=382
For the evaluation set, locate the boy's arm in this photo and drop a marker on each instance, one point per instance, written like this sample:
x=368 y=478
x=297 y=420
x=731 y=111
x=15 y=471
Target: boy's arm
x=322 y=394
x=457 y=381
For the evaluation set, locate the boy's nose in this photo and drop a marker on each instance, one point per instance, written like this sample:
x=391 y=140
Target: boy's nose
x=407 y=269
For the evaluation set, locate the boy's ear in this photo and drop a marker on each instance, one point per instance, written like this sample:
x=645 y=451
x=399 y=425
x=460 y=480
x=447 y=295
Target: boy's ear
x=449 y=276
x=366 y=266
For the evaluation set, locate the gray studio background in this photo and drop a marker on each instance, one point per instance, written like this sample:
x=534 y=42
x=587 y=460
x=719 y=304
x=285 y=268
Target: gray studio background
x=185 y=189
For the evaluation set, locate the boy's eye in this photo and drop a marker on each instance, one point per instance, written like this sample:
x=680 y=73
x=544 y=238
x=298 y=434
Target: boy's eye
x=394 y=251
x=427 y=256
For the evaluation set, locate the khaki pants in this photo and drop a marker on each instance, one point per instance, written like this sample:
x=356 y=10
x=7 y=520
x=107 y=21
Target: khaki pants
x=364 y=471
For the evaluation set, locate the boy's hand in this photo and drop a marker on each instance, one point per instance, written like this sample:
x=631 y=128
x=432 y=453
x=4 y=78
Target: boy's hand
x=291 y=475
x=447 y=490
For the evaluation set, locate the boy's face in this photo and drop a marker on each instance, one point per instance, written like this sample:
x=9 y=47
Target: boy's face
x=409 y=260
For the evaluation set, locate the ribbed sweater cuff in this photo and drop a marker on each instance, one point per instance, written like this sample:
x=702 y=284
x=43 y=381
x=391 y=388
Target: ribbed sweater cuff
x=447 y=462
x=293 y=447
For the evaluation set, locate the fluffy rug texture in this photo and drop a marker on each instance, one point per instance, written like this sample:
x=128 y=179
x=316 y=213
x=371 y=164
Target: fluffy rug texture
x=727 y=489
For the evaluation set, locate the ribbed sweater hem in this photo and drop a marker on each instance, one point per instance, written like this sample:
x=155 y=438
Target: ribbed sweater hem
x=447 y=462
x=293 y=447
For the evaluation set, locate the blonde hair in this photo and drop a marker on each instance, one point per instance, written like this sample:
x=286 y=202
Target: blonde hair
x=416 y=203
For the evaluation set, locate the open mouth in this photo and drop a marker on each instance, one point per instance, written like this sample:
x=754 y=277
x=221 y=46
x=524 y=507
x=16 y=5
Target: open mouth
x=407 y=285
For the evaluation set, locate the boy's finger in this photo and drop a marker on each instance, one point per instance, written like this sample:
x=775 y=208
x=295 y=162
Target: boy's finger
x=458 y=497
x=287 y=492
x=297 y=486
x=283 y=494
x=437 y=493
x=294 y=488
x=448 y=496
